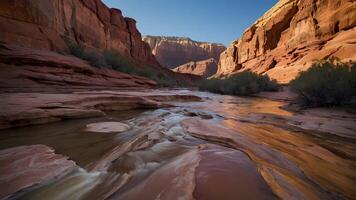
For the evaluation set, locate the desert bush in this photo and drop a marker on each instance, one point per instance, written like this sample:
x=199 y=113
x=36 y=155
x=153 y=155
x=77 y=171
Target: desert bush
x=119 y=62
x=113 y=60
x=327 y=83
x=93 y=58
x=163 y=80
x=244 y=83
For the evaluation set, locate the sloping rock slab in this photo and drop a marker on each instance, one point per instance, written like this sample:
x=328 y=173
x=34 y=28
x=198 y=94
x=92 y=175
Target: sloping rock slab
x=207 y=172
x=25 y=166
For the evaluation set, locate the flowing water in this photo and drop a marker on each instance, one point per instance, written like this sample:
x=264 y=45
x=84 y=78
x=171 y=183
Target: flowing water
x=222 y=148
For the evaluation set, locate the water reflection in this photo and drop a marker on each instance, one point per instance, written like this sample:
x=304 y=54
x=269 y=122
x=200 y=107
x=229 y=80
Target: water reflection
x=253 y=132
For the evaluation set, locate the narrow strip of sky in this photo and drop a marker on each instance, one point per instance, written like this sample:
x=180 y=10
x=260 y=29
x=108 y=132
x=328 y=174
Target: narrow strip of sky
x=220 y=21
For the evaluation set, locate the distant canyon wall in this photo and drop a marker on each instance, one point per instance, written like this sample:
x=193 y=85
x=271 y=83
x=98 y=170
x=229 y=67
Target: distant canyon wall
x=204 y=68
x=42 y=24
x=173 y=52
x=290 y=36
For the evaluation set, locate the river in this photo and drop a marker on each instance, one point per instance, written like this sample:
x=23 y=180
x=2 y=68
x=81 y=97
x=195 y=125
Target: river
x=224 y=147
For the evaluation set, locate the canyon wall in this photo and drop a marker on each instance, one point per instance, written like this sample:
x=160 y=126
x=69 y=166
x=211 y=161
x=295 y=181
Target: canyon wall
x=172 y=52
x=42 y=24
x=204 y=68
x=291 y=36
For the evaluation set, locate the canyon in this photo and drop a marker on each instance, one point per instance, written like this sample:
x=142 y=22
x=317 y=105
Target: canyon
x=291 y=36
x=185 y=55
x=42 y=25
x=69 y=130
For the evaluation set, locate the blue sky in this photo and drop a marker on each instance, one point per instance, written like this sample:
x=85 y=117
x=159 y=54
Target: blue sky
x=220 y=21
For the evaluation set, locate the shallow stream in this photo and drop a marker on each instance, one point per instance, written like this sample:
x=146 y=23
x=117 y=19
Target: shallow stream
x=222 y=148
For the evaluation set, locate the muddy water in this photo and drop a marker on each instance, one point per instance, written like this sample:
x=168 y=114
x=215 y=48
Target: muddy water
x=223 y=148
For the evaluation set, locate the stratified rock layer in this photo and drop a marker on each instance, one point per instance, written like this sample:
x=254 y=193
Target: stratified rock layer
x=22 y=109
x=27 y=69
x=25 y=166
x=42 y=24
x=192 y=175
x=203 y=68
x=290 y=36
x=172 y=52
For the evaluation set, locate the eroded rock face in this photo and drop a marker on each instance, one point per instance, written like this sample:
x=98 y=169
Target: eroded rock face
x=22 y=109
x=205 y=68
x=290 y=36
x=172 y=52
x=42 y=23
x=25 y=166
x=27 y=69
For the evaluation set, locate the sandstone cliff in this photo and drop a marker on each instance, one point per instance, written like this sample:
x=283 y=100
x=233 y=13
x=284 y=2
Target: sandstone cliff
x=42 y=23
x=25 y=69
x=172 y=52
x=204 y=68
x=291 y=35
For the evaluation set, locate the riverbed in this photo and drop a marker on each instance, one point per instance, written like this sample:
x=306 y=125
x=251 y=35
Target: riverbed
x=222 y=147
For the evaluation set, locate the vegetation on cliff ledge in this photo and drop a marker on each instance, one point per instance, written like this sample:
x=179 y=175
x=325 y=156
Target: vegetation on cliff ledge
x=115 y=61
x=327 y=83
x=244 y=83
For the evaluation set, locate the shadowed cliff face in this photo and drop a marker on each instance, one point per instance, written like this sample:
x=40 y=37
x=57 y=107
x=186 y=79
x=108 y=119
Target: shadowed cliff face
x=172 y=52
x=41 y=24
x=290 y=36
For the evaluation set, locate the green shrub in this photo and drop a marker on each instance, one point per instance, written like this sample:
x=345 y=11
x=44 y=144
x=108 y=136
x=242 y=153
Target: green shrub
x=93 y=58
x=244 y=83
x=327 y=83
x=109 y=59
x=119 y=62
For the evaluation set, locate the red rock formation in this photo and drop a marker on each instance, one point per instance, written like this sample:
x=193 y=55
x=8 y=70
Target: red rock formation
x=27 y=69
x=291 y=35
x=42 y=24
x=25 y=166
x=193 y=175
x=29 y=108
x=205 y=68
x=172 y=52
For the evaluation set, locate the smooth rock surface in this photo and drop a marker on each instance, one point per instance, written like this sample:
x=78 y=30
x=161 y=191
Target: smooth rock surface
x=25 y=166
x=224 y=147
x=207 y=172
x=22 y=109
x=107 y=127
